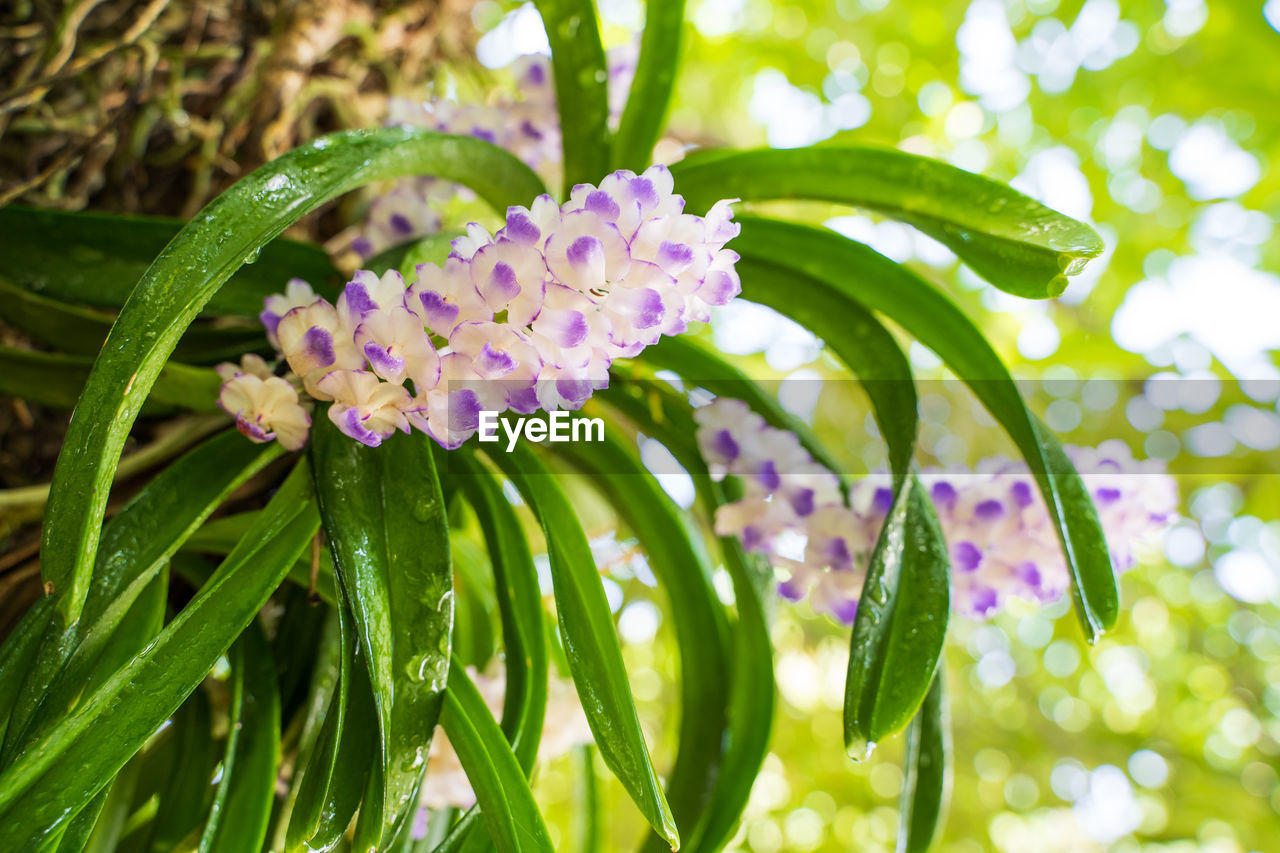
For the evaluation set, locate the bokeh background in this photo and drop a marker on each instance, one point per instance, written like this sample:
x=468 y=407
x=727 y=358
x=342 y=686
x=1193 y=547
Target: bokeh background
x=1157 y=123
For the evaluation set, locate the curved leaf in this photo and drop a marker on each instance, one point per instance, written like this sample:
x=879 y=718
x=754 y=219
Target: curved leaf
x=902 y=623
x=582 y=93
x=1014 y=242
x=93 y=258
x=115 y=810
x=81 y=331
x=136 y=544
x=502 y=791
x=229 y=232
x=184 y=798
x=53 y=779
x=881 y=285
x=896 y=635
x=384 y=515
x=680 y=561
x=18 y=653
x=590 y=641
x=926 y=782
x=751 y=698
x=53 y=379
x=242 y=805
x=655 y=78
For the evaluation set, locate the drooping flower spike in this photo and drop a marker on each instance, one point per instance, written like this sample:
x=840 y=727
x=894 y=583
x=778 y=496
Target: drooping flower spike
x=527 y=318
x=1000 y=538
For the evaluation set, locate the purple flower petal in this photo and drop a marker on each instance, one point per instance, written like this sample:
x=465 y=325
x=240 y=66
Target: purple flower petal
x=1107 y=496
x=883 y=499
x=438 y=311
x=358 y=299
x=846 y=611
x=251 y=429
x=401 y=224
x=966 y=556
x=802 y=502
x=520 y=228
x=585 y=251
x=318 y=344
x=790 y=590
x=493 y=362
x=503 y=280
x=767 y=474
x=944 y=494
x=602 y=204
x=383 y=362
x=725 y=446
x=989 y=510
x=1021 y=494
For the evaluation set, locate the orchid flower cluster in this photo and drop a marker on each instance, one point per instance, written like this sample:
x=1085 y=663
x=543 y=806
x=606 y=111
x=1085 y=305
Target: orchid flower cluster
x=1002 y=543
x=528 y=126
x=792 y=510
x=529 y=318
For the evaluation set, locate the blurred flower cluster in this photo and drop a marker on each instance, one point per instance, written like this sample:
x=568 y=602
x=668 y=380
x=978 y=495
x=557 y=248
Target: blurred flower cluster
x=527 y=125
x=1001 y=539
x=529 y=318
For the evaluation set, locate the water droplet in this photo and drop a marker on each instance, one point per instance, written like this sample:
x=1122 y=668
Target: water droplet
x=253 y=256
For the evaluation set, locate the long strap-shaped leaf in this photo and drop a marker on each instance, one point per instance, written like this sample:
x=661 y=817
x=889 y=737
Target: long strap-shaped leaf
x=385 y=519
x=94 y=258
x=680 y=561
x=183 y=799
x=502 y=791
x=926 y=782
x=81 y=331
x=135 y=546
x=520 y=603
x=934 y=320
x=55 y=379
x=901 y=625
x=655 y=78
x=242 y=805
x=52 y=780
x=17 y=654
x=751 y=698
x=590 y=641
x=230 y=231
x=582 y=92
x=1016 y=243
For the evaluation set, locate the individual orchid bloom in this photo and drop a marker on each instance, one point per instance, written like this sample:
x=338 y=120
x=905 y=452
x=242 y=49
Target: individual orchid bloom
x=365 y=408
x=837 y=539
x=500 y=354
x=369 y=292
x=636 y=307
x=569 y=330
x=445 y=296
x=315 y=341
x=404 y=212
x=724 y=427
x=510 y=277
x=531 y=226
x=464 y=248
x=571 y=387
x=586 y=252
x=757 y=523
x=250 y=363
x=397 y=347
x=297 y=294
x=265 y=407
x=1136 y=499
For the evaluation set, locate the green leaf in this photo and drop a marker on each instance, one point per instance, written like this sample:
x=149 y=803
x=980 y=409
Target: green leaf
x=184 y=799
x=115 y=810
x=901 y=623
x=903 y=619
x=520 y=604
x=582 y=93
x=650 y=96
x=1012 y=241
x=590 y=641
x=502 y=791
x=385 y=519
x=242 y=805
x=335 y=775
x=680 y=561
x=926 y=785
x=81 y=331
x=881 y=285
x=92 y=258
x=55 y=380
x=54 y=778
x=751 y=698
x=135 y=546
x=230 y=231
x=18 y=653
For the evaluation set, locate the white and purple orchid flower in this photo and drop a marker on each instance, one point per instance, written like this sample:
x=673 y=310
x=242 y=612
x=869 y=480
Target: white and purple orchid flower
x=530 y=317
x=1001 y=541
